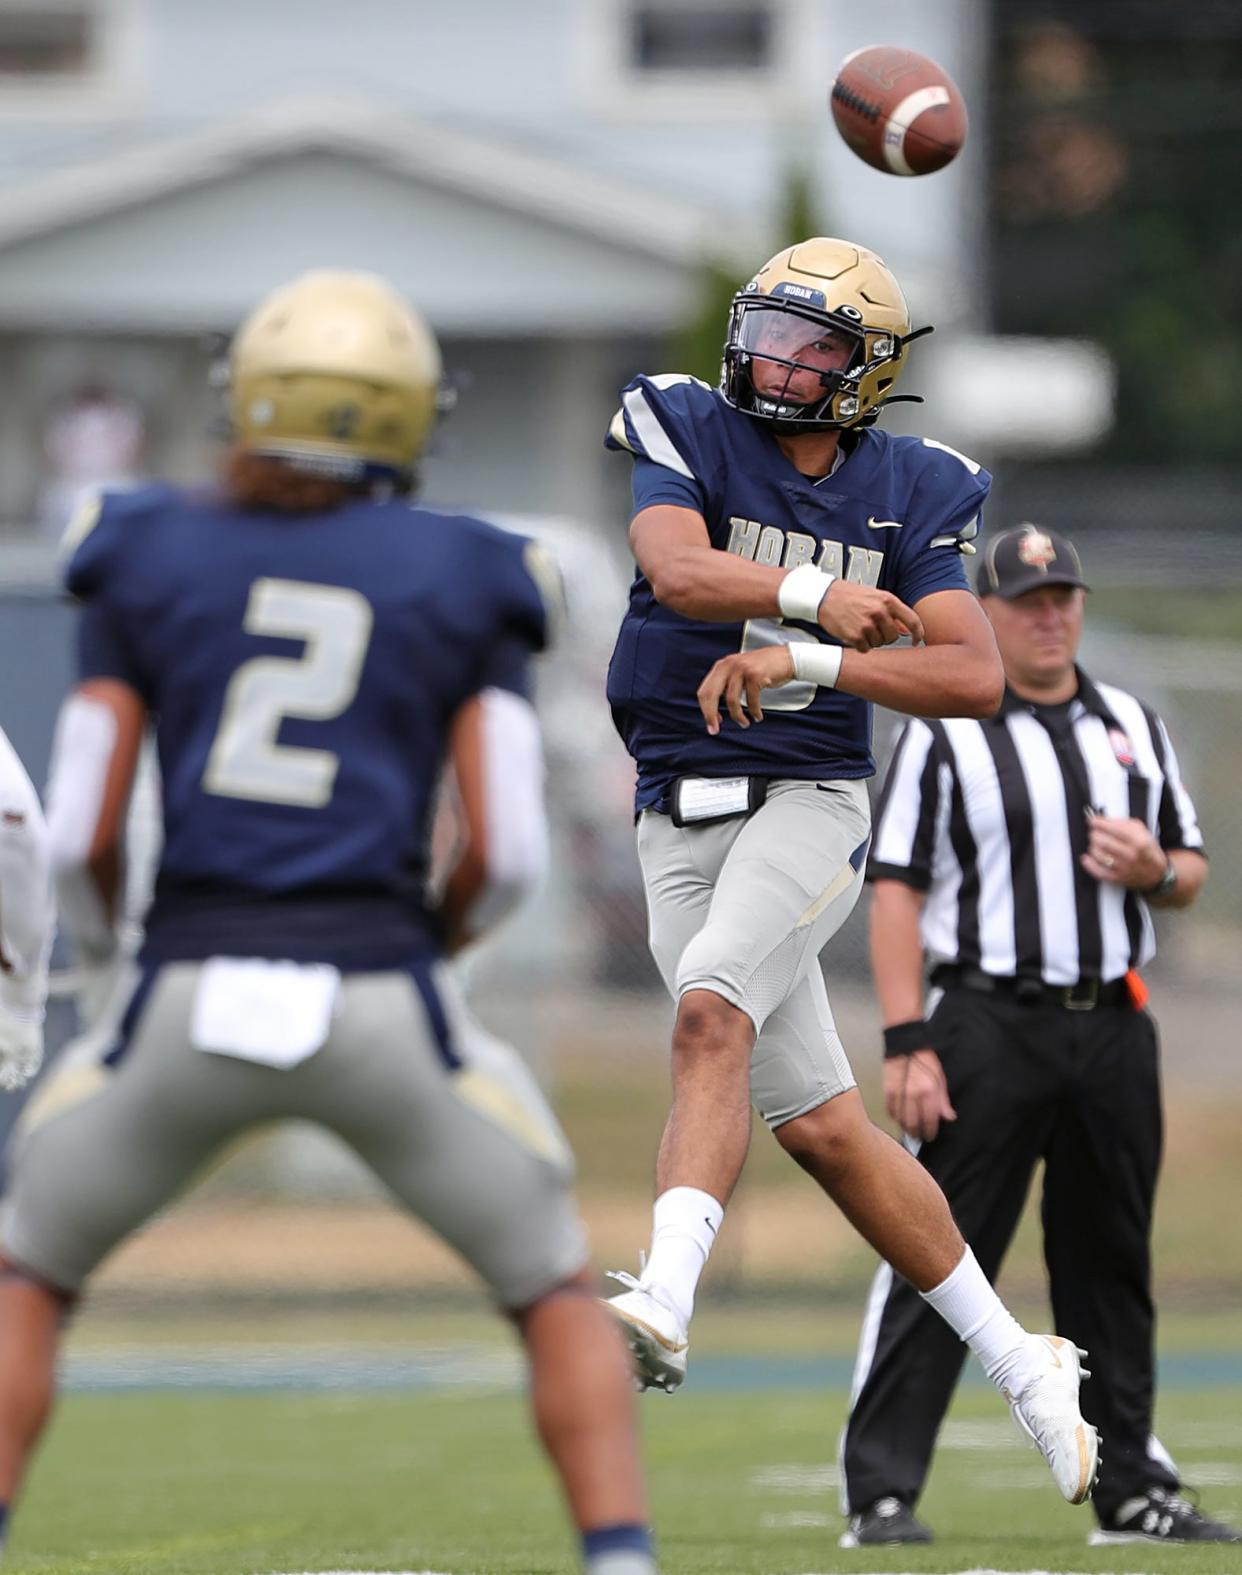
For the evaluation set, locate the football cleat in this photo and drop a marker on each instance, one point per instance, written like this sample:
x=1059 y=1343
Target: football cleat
x=655 y=1332
x=1159 y=1515
x=1047 y=1412
x=885 y=1524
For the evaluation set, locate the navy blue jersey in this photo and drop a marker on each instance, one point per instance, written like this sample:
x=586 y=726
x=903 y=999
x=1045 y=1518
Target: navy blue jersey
x=302 y=672
x=894 y=514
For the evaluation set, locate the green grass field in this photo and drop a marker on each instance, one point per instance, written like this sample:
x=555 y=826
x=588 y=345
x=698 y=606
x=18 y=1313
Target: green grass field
x=203 y=1482
x=420 y=1456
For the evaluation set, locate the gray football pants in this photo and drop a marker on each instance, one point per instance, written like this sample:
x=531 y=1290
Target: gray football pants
x=744 y=907
x=471 y=1149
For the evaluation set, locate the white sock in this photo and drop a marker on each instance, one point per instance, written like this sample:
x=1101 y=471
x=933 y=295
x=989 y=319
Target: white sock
x=976 y=1314
x=684 y=1225
x=622 y=1564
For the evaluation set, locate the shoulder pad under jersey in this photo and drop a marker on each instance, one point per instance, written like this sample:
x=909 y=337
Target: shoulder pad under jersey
x=523 y=583
x=670 y=419
x=951 y=489
x=103 y=528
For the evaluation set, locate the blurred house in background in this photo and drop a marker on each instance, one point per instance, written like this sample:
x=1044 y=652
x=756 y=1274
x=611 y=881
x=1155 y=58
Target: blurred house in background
x=550 y=182
x=547 y=182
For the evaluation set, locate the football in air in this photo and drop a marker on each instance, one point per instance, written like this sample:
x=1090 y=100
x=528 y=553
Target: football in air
x=898 y=111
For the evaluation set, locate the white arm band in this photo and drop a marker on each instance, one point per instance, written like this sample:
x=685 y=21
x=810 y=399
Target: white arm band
x=27 y=909
x=801 y=591
x=817 y=663
x=81 y=754
x=517 y=831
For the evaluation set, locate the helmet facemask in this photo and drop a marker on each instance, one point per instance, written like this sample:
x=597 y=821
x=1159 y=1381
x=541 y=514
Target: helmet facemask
x=833 y=364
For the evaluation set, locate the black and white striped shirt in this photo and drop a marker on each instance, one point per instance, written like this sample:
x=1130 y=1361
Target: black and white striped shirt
x=990 y=819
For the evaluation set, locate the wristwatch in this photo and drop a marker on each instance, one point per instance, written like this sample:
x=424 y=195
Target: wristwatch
x=1165 y=884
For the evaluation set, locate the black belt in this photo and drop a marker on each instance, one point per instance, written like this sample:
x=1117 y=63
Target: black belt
x=1084 y=996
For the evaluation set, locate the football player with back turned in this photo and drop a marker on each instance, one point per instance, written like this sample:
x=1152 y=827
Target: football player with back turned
x=312 y=651
x=784 y=546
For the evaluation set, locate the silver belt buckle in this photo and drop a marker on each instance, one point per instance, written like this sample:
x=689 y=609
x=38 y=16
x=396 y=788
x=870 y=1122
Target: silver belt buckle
x=1088 y=1003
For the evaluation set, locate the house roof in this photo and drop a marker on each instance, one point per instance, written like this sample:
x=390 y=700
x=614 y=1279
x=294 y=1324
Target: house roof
x=511 y=185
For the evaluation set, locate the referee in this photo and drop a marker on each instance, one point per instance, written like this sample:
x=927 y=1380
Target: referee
x=1019 y=856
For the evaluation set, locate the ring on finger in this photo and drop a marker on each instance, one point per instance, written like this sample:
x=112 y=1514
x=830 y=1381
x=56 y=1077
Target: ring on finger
x=1107 y=860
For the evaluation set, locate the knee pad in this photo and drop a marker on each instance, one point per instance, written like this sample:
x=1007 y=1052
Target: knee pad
x=706 y=965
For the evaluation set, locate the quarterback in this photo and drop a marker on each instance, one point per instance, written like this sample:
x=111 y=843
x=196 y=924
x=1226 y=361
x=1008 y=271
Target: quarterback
x=785 y=546
x=312 y=651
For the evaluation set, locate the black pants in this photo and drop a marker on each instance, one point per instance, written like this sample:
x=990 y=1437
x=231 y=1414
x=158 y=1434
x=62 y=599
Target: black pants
x=1081 y=1091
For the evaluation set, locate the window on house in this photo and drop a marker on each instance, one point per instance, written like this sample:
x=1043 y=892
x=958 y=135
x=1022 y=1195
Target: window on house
x=722 y=37
x=47 y=41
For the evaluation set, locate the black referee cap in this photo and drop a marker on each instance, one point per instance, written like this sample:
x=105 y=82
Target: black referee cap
x=1024 y=558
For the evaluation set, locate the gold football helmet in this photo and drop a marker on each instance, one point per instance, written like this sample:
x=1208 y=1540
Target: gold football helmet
x=335 y=373
x=833 y=317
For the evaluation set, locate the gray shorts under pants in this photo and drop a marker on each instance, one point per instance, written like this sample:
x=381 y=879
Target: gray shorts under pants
x=472 y=1149
x=744 y=907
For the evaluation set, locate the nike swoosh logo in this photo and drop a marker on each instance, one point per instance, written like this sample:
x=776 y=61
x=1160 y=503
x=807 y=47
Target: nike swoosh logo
x=1085 y=1474
x=875 y=524
x=674 y=1347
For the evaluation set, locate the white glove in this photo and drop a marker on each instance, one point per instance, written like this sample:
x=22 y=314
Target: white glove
x=21 y=1048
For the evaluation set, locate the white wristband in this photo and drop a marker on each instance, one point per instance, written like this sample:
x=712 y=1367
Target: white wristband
x=801 y=591
x=817 y=663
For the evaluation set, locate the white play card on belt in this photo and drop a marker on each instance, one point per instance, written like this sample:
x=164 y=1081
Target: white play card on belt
x=708 y=798
x=274 y=1013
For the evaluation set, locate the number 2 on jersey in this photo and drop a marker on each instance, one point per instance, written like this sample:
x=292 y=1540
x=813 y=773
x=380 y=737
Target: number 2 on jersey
x=245 y=759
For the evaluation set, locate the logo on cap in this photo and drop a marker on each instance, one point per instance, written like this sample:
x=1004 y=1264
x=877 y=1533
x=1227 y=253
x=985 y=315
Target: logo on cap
x=1036 y=550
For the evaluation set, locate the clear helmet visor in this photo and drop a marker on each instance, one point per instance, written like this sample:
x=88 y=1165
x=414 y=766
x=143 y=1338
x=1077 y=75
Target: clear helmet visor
x=795 y=360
